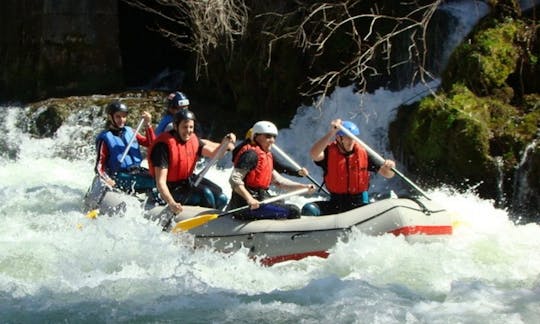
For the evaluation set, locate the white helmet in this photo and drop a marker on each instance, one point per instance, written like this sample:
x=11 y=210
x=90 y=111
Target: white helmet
x=263 y=127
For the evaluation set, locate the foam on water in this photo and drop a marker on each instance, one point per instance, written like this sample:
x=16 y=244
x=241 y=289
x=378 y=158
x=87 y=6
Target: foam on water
x=56 y=264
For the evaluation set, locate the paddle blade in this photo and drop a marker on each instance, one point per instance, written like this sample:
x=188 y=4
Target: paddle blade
x=190 y=223
x=93 y=214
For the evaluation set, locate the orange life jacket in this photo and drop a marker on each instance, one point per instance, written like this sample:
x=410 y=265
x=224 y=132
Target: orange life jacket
x=347 y=174
x=182 y=156
x=261 y=176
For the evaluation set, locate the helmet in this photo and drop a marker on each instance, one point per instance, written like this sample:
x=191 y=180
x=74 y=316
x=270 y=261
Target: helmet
x=351 y=127
x=263 y=127
x=116 y=106
x=184 y=114
x=249 y=133
x=177 y=99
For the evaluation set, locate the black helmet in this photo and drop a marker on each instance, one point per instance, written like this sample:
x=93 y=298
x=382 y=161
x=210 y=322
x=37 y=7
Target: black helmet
x=177 y=99
x=116 y=106
x=184 y=114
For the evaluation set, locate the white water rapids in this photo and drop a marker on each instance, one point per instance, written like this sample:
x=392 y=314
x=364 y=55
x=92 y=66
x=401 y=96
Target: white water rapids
x=58 y=266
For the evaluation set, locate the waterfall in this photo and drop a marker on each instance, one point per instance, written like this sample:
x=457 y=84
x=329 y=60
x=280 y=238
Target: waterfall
x=525 y=200
x=499 y=162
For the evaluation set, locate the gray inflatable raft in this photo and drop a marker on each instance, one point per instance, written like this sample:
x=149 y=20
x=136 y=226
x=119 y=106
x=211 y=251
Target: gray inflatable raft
x=272 y=241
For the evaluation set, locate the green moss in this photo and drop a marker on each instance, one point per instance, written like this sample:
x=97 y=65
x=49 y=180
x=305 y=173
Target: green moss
x=449 y=135
x=497 y=54
x=485 y=63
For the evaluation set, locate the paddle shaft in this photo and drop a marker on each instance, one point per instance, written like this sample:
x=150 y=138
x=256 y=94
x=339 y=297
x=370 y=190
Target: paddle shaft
x=298 y=167
x=380 y=160
x=267 y=201
x=196 y=221
x=210 y=164
x=131 y=140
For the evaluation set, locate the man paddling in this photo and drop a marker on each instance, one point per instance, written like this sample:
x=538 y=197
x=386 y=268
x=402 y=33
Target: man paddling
x=346 y=167
x=253 y=174
x=172 y=161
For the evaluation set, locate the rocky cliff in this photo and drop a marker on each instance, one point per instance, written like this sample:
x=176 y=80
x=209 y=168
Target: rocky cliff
x=58 y=47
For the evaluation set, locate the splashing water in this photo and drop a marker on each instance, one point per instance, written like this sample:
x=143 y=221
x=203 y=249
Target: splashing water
x=57 y=265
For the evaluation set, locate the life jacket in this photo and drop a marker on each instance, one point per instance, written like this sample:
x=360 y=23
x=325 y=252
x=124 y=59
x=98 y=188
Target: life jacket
x=183 y=156
x=347 y=174
x=261 y=176
x=116 y=145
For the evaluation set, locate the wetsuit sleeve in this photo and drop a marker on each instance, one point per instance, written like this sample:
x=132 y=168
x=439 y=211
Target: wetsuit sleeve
x=280 y=167
x=160 y=156
x=201 y=144
x=323 y=164
x=248 y=160
x=147 y=140
x=101 y=161
x=161 y=127
x=372 y=166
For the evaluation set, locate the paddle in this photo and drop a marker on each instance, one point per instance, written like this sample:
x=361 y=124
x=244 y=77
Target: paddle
x=211 y=163
x=203 y=219
x=131 y=140
x=94 y=213
x=298 y=167
x=380 y=160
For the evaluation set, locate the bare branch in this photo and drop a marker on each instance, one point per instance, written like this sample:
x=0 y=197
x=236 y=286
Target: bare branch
x=367 y=30
x=372 y=35
x=209 y=23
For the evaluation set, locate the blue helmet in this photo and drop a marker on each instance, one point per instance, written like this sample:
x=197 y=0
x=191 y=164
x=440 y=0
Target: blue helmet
x=177 y=100
x=351 y=127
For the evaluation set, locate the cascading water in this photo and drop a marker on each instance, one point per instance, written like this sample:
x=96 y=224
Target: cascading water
x=524 y=201
x=56 y=265
x=500 y=175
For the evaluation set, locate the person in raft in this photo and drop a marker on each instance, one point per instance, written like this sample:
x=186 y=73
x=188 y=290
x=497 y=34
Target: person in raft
x=253 y=173
x=173 y=158
x=279 y=165
x=116 y=169
x=176 y=101
x=346 y=166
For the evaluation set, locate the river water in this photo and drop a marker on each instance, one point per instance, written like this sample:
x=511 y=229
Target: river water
x=58 y=266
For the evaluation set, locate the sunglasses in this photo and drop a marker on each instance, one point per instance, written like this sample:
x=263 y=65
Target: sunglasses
x=269 y=135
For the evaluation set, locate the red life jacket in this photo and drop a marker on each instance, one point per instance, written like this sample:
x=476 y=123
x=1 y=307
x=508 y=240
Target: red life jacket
x=261 y=176
x=347 y=174
x=182 y=156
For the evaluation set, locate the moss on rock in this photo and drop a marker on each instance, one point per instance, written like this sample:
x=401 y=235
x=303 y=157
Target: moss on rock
x=448 y=137
x=487 y=60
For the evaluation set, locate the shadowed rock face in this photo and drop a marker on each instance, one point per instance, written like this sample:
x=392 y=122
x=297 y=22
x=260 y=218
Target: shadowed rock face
x=55 y=48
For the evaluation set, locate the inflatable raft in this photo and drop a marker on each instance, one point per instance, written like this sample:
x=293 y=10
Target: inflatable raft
x=273 y=241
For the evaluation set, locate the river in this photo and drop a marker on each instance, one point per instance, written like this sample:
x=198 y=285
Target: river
x=56 y=265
